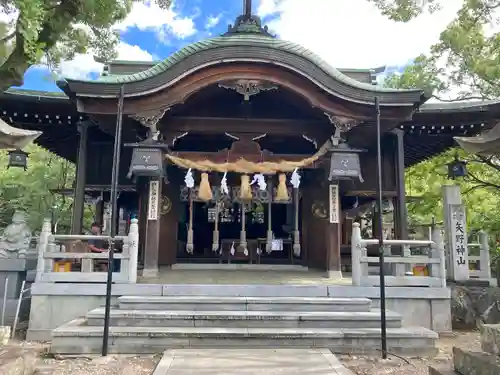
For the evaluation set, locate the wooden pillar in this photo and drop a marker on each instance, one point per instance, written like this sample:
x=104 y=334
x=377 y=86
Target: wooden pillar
x=99 y=212
x=153 y=229
x=401 y=218
x=333 y=231
x=79 y=193
x=169 y=224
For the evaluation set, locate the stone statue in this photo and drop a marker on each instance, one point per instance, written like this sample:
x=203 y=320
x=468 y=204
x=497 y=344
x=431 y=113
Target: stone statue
x=16 y=238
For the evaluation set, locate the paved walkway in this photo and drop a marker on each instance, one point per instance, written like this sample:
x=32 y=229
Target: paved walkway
x=244 y=277
x=250 y=362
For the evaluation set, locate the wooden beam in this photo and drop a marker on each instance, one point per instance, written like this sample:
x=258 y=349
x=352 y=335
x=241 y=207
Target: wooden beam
x=369 y=193
x=211 y=125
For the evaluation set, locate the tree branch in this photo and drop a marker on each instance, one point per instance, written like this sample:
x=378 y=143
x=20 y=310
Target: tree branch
x=482 y=182
x=8 y=37
x=479 y=185
x=459 y=99
x=17 y=63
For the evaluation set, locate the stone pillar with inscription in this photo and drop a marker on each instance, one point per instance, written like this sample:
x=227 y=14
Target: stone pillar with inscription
x=457 y=267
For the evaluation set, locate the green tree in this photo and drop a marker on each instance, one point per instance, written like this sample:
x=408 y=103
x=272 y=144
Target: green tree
x=405 y=10
x=34 y=190
x=46 y=31
x=465 y=60
x=464 y=63
x=481 y=190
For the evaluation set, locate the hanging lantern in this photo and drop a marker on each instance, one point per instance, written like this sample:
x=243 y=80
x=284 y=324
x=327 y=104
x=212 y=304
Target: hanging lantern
x=457 y=168
x=18 y=159
x=146 y=162
x=345 y=164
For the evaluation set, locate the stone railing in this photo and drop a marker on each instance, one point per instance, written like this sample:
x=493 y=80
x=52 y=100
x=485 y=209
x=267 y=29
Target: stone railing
x=51 y=248
x=398 y=268
x=479 y=265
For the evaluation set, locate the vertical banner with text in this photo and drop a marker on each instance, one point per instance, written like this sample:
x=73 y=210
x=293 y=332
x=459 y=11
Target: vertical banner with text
x=154 y=189
x=334 y=204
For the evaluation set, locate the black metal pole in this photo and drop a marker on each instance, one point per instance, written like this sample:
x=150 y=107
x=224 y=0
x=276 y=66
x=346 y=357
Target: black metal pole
x=115 y=172
x=380 y=235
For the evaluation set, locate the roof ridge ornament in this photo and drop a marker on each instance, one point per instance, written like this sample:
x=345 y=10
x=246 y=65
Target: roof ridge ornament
x=247 y=23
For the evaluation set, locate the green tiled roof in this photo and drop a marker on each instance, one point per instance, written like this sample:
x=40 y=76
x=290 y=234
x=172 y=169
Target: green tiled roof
x=241 y=40
x=36 y=93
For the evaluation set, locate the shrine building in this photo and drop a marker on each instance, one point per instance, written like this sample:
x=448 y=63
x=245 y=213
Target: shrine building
x=242 y=148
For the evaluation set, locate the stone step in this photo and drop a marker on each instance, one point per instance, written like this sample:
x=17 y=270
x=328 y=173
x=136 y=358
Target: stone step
x=208 y=303
x=243 y=319
x=76 y=337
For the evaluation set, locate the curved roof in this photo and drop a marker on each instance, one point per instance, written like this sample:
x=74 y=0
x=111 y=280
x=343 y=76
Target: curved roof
x=241 y=45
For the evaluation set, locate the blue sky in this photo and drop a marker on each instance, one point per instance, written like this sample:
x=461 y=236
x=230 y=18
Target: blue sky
x=334 y=29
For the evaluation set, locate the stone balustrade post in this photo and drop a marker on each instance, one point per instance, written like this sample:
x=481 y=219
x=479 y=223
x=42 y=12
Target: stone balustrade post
x=133 y=249
x=125 y=261
x=437 y=252
x=401 y=269
x=484 y=256
x=42 y=248
x=356 y=254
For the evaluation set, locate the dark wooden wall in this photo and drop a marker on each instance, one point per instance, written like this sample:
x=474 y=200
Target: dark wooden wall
x=169 y=226
x=100 y=163
x=313 y=228
x=368 y=162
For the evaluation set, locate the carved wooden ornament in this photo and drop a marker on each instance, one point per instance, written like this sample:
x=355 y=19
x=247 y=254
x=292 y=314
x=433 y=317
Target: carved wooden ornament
x=248 y=87
x=343 y=124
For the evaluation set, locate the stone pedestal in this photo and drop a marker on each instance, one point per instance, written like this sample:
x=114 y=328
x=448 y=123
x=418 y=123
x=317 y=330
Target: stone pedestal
x=16 y=270
x=490 y=338
x=467 y=362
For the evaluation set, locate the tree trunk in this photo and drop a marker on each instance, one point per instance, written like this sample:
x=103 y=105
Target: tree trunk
x=13 y=69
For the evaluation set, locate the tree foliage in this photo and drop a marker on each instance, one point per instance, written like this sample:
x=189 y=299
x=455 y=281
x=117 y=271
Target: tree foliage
x=405 y=10
x=480 y=189
x=47 y=31
x=33 y=190
x=463 y=65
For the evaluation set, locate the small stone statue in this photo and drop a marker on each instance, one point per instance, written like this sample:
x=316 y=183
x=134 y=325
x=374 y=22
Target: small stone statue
x=16 y=238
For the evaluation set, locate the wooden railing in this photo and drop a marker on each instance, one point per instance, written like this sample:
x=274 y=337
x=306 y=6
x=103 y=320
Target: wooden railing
x=399 y=268
x=51 y=249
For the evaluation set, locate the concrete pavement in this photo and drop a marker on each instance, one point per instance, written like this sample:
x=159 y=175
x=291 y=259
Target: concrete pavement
x=250 y=362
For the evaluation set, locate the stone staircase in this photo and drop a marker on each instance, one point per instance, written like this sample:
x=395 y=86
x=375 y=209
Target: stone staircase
x=153 y=324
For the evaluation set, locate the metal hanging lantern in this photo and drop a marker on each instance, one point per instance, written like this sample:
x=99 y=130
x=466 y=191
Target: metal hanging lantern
x=146 y=161
x=457 y=168
x=18 y=159
x=344 y=163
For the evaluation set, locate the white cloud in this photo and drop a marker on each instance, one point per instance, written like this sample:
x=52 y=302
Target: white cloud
x=133 y=53
x=148 y=16
x=212 y=21
x=266 y=7
x=83 y=65
x=353 y=33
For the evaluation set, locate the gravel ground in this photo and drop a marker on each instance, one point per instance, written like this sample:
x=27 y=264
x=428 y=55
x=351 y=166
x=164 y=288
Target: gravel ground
x=413 y=366
x=21 y=358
